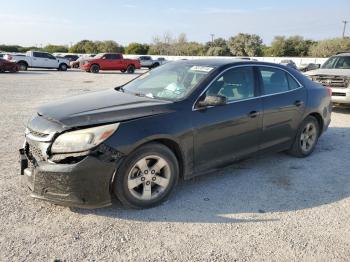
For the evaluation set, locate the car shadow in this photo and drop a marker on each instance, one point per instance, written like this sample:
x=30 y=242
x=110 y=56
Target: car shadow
x=254 y=190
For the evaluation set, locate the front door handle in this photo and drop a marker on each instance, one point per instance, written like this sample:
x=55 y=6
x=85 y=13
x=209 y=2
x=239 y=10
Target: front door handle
x=298 y=103
x=253 y=114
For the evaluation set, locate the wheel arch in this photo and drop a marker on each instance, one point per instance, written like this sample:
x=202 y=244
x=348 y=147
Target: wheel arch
x=22 y=62
x=319 y=120
x=173 y=145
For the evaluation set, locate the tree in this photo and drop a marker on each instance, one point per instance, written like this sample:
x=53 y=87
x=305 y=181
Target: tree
x=291 y=46
x=218 y=51
x=55 y=49
x=218 y=47
x=245 y=45
x=330 y=47
x=278 y=46
x=109 y=46
x=91 y=47
x=137 y=49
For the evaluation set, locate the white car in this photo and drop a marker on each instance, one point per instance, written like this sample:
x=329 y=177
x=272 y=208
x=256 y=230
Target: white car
x=335 y=73
x=38 y=59
x=147 y=61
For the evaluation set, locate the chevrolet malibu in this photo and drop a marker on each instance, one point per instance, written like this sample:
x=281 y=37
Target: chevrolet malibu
x=178 y=121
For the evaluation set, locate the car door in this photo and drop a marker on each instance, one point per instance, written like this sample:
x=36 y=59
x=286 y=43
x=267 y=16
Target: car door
x=39 y=60
x=283 y=101
x=116 y=62
x=228 y=132
x=51 y=61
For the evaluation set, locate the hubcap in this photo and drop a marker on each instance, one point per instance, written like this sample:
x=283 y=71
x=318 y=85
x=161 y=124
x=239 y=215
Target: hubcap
x=149 y=178
x=308 y=137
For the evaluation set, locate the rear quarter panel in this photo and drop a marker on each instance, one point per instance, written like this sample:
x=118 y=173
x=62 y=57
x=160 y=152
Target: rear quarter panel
x=319 y=102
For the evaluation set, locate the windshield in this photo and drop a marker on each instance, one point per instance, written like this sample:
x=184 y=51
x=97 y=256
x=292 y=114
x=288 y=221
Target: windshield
x=172 y=81
x=337 y=62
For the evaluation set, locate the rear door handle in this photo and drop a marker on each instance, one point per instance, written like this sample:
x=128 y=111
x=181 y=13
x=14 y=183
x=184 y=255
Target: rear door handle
x=253 y=114
x=298 y=103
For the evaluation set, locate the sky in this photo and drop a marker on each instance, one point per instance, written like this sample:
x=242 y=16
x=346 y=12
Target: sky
x=41 y=22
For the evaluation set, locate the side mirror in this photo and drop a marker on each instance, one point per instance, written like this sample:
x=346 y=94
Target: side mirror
x=212 y=101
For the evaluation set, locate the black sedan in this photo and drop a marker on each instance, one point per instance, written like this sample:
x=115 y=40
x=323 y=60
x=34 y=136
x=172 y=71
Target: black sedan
x=175 y=122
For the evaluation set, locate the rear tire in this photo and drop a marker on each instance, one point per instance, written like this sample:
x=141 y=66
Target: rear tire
x=130 y=69
x=22 y=66
x=95 y=69
x=146 y=177
x=62 y=67
x=306 y=138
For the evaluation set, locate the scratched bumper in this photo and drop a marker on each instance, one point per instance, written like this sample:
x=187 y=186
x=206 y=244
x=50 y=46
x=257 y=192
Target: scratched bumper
x=85 y=184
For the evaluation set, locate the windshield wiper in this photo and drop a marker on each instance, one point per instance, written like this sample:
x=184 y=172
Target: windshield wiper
x=120 y=88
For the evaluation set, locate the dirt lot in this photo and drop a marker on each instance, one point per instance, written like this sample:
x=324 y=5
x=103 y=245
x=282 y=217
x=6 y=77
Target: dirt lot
x=270 y=208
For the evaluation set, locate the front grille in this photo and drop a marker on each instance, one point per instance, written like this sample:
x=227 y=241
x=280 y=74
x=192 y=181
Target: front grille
x=332 y=81
x=34 y=153
x=338 y=94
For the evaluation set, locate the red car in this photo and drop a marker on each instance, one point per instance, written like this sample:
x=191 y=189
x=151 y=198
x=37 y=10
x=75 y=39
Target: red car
x=110 y=61
x=6 y=65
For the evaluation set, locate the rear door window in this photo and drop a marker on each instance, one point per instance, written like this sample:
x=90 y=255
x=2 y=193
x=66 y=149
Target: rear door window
x=275 y=80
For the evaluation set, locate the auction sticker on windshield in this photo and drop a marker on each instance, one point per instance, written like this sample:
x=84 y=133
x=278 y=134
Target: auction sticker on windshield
x=201 y=68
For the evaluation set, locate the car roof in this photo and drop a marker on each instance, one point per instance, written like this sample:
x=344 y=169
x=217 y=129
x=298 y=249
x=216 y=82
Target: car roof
x=343 y=54
x=220 y=62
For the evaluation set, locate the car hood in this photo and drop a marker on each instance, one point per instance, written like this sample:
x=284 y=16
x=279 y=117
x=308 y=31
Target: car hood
x=330 y=72
x=101 y=107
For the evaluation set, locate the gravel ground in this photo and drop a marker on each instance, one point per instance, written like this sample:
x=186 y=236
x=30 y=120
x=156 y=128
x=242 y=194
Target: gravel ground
x=274 y=207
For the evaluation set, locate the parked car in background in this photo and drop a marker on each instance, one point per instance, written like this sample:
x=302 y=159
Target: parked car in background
x=38 y=59
x=76 y=63
x=109 y=61
x=147 y=61
x=7 y=66
x=288 y=62
x=308 y=67
x=70 y=58
x=177 y=121
x=335 y=73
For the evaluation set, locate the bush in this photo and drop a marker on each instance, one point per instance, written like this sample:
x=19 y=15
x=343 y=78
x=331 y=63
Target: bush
x=329 y=47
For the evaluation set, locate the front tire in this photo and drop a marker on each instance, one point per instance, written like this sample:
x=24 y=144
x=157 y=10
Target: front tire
x=95 y=69
x=146 y=177
x=306 y=138
x=131 y=69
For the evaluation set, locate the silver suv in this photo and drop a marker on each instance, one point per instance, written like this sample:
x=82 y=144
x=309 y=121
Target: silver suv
x=335 y=73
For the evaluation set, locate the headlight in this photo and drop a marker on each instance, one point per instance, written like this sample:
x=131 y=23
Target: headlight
x=82 y=140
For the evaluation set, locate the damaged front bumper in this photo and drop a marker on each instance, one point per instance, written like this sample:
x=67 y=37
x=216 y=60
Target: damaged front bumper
x=85 y=183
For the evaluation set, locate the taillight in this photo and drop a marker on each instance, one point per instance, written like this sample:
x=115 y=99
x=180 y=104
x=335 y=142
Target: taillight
x=329 y=90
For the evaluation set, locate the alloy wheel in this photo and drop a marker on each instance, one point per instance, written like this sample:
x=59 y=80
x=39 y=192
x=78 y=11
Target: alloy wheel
x=308 y=137
x=149 y=178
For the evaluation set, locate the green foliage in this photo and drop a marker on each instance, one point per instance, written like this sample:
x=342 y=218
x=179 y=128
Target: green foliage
x=218 y=47
x=137 y=49
x=55 y=49
x=94 y=47
x=330 y=47
x=238 y=45
x=291 y=46
x=245 y=45
x=218 y=51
